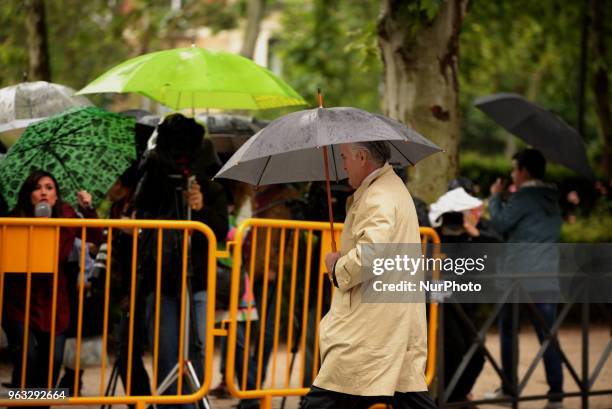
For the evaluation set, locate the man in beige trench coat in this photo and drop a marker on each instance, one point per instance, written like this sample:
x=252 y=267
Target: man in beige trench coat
x=371 y=352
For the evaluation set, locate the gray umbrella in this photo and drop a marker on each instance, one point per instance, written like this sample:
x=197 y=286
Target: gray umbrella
x=29 y=102
x=33 y=100
x=540 y=128
x=294 y=147
x=289 y=149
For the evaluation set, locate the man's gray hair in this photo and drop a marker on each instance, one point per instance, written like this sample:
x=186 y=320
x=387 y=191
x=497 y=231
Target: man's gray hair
x=379 y=150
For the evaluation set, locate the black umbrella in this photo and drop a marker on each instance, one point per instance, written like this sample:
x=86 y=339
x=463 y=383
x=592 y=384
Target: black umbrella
x=226 y=132
x=540 y=128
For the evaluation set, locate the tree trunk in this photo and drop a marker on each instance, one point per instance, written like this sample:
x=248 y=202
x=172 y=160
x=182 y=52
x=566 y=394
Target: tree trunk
x=422 y=86
x=601 y=83
x=255 y=10
x=37 y=41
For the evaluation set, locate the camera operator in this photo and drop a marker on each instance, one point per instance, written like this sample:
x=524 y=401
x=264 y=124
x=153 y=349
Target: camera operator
x=180 y=153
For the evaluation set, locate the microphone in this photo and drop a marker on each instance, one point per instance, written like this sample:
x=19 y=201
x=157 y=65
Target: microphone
x=42 y=209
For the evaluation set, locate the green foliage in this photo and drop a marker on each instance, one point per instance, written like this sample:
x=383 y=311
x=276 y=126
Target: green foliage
x=13 y=52
x=333 y=46
x=88 y=37
x=522 y=46
x=431 y=8
x=594 y=228
x=218 y=15
x=483 y=170
x=417 y=12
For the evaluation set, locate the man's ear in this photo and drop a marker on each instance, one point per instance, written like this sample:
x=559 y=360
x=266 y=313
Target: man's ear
x=362 y=155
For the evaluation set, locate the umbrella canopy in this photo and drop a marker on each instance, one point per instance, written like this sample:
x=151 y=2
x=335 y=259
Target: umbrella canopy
x=28 y=102
x=226 y=132
x=84 y=148
x=230 y=132
x=288 y=149
x=540 y=128
x=197 y=78
x=137 y=114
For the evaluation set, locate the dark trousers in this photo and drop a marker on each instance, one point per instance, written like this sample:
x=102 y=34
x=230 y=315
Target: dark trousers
x=318 y=398
x=139 y=377
x=37 y=371
x=457 y=341
x=552 y=357
x=67 y=380
x=268 y=339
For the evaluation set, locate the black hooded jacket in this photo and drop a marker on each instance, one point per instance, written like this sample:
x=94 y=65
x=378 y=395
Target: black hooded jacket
x=160 y=196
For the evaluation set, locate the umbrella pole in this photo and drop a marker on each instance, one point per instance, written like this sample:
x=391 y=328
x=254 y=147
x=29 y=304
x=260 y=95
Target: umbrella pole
x=329 y=199
x=327 y=184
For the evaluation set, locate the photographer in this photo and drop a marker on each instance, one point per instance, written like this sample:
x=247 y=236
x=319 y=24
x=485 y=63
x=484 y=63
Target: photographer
x=162 y=193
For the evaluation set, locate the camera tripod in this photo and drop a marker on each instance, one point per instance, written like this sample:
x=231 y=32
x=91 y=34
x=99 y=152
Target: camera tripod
x=190 y=328
x=189 y=370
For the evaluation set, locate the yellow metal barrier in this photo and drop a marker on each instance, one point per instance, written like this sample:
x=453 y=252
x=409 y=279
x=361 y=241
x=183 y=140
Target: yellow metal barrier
x=429 y=236
x=303 y=238
x=31 y=247
x=20 y=237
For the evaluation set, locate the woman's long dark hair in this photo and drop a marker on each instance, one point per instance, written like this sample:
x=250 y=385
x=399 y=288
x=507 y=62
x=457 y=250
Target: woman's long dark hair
x=24 y=207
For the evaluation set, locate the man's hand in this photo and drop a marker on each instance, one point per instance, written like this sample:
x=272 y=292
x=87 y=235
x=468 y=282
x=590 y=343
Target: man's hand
x=497 y=187
x=196 y=200
x=330 y=261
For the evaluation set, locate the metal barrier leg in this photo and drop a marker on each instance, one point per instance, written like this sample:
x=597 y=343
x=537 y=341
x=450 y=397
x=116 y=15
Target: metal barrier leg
x=515 y=353
x=441 y=381
x=266 y=402
x=586 y=384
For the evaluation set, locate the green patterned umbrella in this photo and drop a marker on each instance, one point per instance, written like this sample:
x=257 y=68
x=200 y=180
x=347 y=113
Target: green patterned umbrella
x=84 y=148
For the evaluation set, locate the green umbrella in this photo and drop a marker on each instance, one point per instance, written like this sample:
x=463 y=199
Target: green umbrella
x=197 y=78
x=84 y=148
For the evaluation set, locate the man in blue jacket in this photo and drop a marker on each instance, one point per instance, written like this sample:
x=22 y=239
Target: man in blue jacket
x=531 y=215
